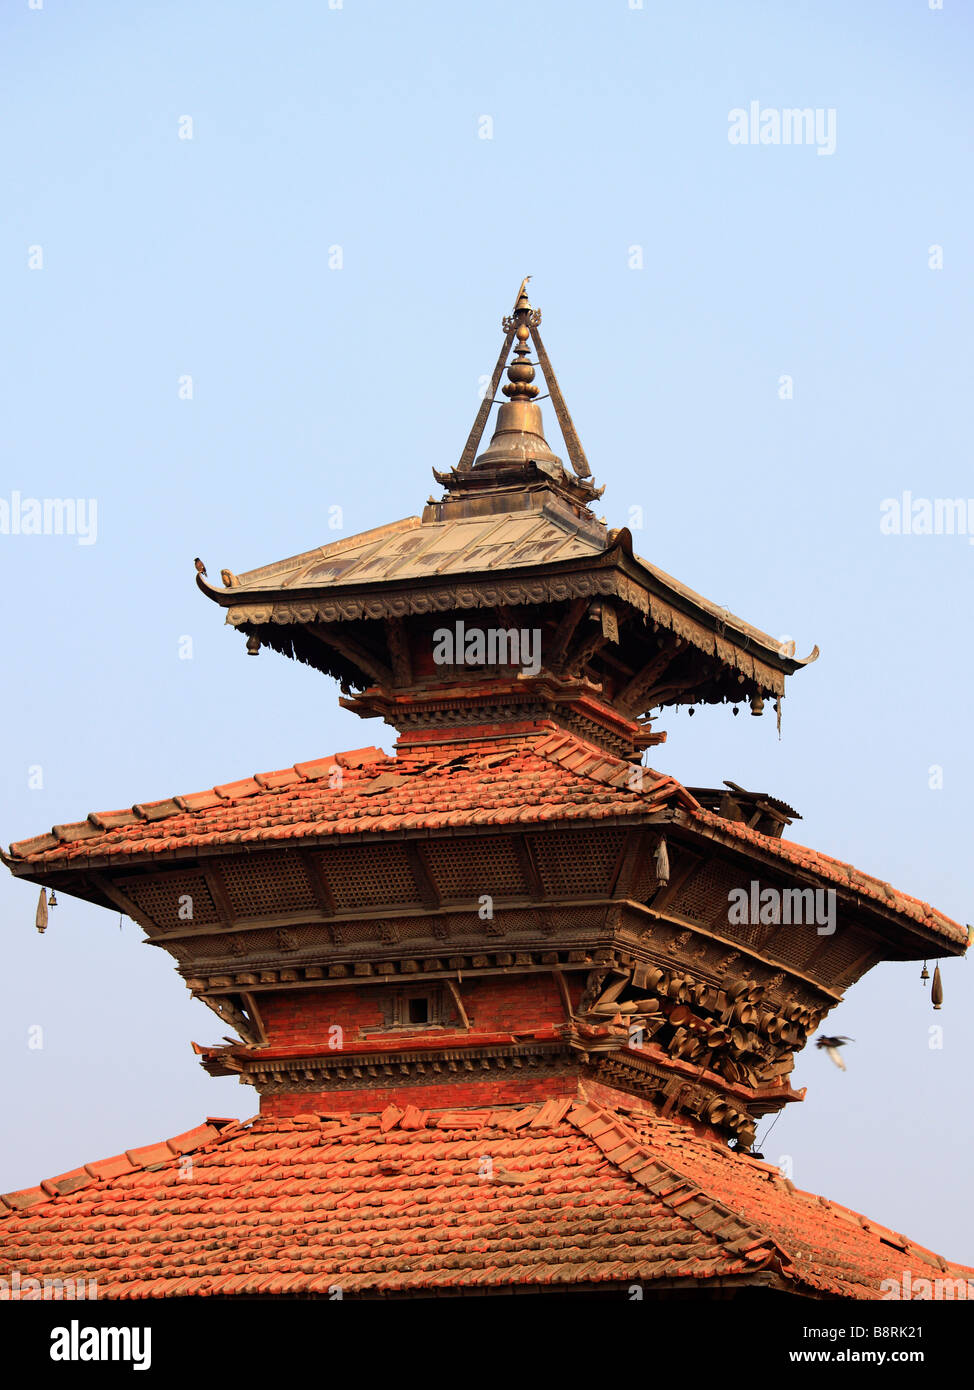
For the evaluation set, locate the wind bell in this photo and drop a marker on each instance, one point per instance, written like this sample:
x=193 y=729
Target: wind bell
x=936 y=989
x=662 y=861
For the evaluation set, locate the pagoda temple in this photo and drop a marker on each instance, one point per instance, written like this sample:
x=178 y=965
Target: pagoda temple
x=513 y=1004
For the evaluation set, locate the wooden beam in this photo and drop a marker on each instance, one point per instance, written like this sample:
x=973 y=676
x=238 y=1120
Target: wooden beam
x=399 y=652
x=125 y=905
x=528 y=866
x=564 y=632
x=572 y=443
x=643 y=680
x=476 y=433
x=319 y=884
x=563 y=991
x=580 y=656
x=353 y=650
x=225 y=1009
x=458 y=1003
x=250 y=1004
x=422 y=875
x=634 y=846
x=218 y=892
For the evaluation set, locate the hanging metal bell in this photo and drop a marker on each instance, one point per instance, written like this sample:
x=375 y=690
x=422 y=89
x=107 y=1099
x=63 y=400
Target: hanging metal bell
x=937 y=989
x=52 y=900
x=924 y=973
x=661 y=860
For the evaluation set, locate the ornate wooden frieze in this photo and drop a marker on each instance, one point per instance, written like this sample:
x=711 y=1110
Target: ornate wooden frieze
x=370 y=1070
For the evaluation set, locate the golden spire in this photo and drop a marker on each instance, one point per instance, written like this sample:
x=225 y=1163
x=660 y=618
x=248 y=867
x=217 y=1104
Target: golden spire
x=522 y=301
x=521 y=371
x=519 y=436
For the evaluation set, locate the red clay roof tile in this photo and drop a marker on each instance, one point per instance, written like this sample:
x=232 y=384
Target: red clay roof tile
x=238 y=791
x=383 y=1204
x=550 y=777
x=149 y=1156
x=105 y=1168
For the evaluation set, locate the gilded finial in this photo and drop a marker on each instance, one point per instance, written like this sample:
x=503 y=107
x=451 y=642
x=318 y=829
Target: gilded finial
x=521 y=372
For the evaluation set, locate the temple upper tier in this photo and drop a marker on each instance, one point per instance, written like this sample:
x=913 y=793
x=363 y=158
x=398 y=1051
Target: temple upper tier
x=512 y=546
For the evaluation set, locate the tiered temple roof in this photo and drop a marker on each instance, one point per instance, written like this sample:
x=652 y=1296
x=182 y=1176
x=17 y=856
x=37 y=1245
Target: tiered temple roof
x=501 y=1020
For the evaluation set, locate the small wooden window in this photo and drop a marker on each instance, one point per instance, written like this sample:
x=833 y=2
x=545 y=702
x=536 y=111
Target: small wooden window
x=418 y=1010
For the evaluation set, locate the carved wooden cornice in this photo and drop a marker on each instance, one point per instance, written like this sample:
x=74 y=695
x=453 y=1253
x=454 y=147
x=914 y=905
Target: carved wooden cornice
x=603 y=577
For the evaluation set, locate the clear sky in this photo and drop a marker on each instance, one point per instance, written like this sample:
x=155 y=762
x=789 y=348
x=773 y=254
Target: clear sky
x=134 y=259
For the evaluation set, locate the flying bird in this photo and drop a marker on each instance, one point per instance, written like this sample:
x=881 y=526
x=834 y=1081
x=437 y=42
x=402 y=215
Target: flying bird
x=832 y=1046
x=200 y=567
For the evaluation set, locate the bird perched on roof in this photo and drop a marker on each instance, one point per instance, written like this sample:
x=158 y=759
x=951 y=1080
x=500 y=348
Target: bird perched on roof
x=200 y=567
x=832 y=1046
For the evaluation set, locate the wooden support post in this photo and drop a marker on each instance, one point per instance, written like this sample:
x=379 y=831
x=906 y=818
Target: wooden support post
x=563 y=991
x=458 y=1003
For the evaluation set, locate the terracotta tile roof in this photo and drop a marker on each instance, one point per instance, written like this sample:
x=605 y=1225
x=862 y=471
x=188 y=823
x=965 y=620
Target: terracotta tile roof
x=844 y=875
x=550 y=777
x=553 y=777
x=563 y=1193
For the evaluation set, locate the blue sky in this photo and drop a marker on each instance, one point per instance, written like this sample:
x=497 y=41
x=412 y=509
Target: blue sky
x=313 y=387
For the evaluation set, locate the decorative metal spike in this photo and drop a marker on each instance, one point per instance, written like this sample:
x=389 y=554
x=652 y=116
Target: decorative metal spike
x=937 y=988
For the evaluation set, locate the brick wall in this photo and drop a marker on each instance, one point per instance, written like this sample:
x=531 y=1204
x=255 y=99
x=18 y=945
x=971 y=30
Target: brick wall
x=493 y=1090
x=302 y=1018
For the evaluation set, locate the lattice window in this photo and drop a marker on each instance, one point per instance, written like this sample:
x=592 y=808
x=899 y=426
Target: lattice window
x=793 y=945
x=163 y=899
x=579 y=864
x=256 y=943
x=838 y=959
x=360 y=931
x=267 y=884
x=369 y=876
x=749 y=934
x=466 y=868
x=521 y=921
x=310 y=937
x=704 y=897
x=567 y=919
